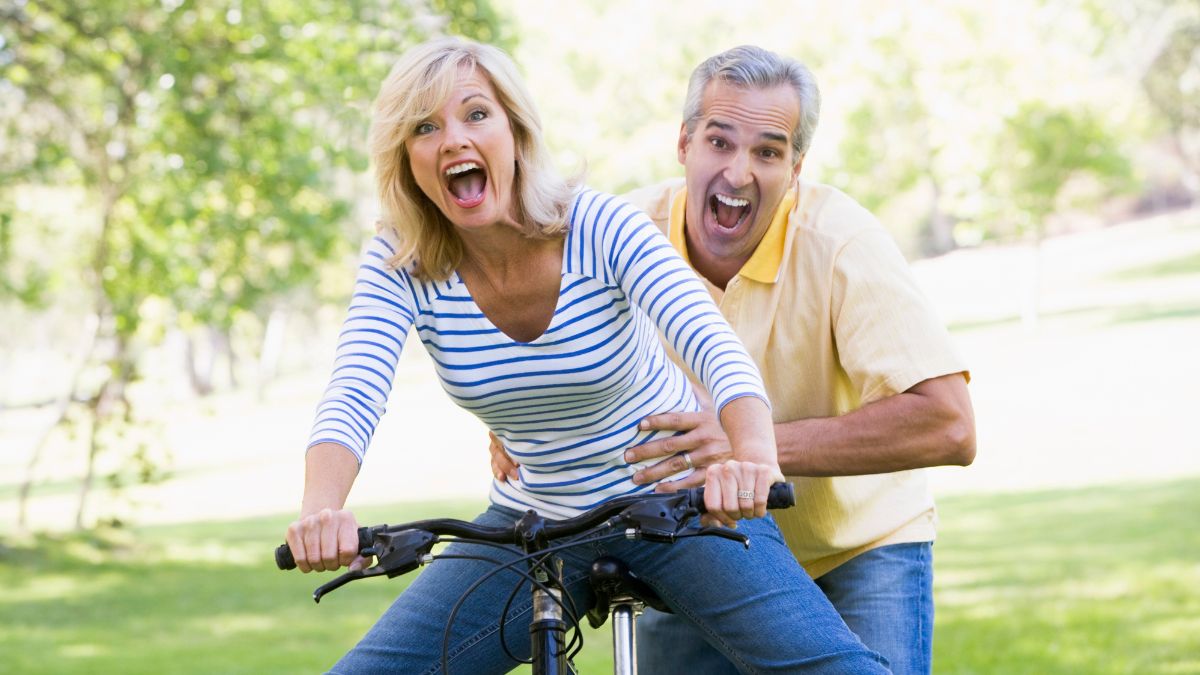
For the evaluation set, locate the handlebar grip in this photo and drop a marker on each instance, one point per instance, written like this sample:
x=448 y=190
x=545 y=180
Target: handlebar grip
x=285 y=561
x=781 y=496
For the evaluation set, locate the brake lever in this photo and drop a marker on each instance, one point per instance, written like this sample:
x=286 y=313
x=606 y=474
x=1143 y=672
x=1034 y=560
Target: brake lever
x=345 y=579
x=722 y=532
x=660 y=520
x=395 y=553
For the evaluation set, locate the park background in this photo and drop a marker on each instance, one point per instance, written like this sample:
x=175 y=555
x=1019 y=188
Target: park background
x=184 y=189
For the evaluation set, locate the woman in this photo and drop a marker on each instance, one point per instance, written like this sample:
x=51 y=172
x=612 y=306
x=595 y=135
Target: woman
x=540 y=305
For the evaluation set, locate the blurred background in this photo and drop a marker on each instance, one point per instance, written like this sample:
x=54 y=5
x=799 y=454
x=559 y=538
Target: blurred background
x=184 y=190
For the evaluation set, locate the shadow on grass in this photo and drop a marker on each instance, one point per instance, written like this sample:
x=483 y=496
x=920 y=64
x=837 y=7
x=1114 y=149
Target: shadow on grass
x=1101 y=580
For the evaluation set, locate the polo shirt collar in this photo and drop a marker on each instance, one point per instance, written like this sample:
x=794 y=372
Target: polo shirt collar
x=763 y=265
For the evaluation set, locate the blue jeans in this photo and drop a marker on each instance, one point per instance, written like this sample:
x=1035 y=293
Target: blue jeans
x=885 y=596
x=756 y=606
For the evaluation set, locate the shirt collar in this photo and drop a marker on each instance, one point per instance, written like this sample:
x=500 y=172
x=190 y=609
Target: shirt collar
x=763 y=265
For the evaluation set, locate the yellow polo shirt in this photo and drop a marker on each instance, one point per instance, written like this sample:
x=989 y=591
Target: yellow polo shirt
x=832 y=315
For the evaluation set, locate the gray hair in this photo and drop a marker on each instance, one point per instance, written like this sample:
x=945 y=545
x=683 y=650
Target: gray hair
x=754 y=67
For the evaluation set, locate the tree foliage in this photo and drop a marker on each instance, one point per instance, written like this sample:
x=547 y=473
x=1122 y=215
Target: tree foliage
x=209 y=137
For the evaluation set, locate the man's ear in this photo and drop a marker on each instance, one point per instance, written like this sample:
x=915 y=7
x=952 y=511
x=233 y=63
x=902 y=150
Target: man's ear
x=796 y=169
x=683 y=142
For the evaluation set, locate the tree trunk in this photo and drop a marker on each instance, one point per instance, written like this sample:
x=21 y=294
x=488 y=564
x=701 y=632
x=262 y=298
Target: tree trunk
x=83 y=353
x=272 y=347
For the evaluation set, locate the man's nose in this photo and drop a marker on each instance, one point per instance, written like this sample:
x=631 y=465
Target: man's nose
x=737 y=172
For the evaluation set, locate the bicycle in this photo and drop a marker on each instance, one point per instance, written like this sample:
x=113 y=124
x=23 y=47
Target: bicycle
x=616 y=591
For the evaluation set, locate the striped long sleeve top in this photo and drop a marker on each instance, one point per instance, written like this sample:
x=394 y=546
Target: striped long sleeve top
x=567 y=404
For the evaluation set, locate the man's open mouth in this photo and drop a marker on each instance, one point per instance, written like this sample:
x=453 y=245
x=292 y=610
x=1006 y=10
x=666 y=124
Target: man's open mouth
x=466 y=183
x=729 y=212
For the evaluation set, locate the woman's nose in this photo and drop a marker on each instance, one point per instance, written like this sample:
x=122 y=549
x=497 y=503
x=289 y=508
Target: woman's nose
x=454 y=138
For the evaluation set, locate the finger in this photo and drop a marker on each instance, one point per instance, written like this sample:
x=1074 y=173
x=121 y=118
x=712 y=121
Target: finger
x=508 y=466
x=720 y=495
x=664 y=469
x=694 y=479
x=729 y=490
x=312 y=544
x=663 y=447
x=504 y=466
x=762 y=488
x=295 y=540
x=747 y=480
x=359 y=563
x=672 y=421
x=329 y=541
x=347 y=540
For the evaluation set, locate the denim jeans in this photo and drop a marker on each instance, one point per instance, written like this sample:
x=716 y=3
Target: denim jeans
x=885 y=596
x=756 y=606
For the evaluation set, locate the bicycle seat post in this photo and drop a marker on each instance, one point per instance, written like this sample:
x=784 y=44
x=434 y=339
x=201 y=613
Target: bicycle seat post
x=625 y=611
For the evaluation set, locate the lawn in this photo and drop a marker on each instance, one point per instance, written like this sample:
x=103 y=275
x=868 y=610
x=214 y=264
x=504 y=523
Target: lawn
x=1094 y=580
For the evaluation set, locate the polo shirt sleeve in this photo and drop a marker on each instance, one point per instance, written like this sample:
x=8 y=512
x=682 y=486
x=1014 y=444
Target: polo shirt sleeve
x=888 y=336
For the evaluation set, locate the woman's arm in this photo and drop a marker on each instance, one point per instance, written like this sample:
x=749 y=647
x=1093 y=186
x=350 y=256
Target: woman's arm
x=325 y=536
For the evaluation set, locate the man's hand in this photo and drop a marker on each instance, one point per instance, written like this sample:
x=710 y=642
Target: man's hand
x=503 y=466
x=703 y=440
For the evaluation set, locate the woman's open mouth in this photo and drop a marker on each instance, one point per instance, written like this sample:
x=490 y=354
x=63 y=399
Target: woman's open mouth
x=466 y=183
x=729 y=212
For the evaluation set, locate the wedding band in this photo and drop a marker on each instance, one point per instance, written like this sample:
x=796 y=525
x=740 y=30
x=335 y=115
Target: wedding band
x=745 y=494
x=687 y=459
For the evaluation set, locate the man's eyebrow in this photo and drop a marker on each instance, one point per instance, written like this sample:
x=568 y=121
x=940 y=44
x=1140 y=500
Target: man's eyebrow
x=770 y=136
x=774 y=137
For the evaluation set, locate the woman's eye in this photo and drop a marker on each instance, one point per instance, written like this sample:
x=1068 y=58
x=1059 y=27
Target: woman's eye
x=424 y=128
x=477 y=115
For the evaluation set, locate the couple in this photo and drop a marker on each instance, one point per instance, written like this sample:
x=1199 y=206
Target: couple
x=542 y=305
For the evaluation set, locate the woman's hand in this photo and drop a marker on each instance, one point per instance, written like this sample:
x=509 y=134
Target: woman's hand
x=734 y=490
x=325 y=541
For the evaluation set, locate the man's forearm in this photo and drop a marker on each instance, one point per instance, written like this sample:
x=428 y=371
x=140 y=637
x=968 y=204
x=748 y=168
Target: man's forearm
x=931 y=424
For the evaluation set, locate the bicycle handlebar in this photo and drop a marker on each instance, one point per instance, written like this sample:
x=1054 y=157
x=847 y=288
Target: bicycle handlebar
x=781 y=495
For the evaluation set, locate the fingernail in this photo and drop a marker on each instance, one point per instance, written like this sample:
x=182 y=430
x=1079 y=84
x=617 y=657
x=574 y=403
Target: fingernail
x=627 y=457
x=638 y=478
x=644 y=424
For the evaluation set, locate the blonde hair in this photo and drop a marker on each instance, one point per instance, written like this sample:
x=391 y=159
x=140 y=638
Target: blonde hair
x=419 y=84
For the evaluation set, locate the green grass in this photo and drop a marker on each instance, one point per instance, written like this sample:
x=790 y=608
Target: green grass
x=1097 y=580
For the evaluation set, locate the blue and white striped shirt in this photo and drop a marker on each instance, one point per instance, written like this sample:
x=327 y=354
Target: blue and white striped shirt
x=567 y=404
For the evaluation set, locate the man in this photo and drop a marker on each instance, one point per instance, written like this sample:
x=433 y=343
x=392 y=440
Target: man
x=865 y=387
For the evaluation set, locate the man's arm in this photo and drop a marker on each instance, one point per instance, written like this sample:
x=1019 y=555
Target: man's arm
x=930 y=424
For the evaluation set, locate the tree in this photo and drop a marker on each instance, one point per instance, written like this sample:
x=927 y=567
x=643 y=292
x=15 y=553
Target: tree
x=1048 y=148
x=208 y=135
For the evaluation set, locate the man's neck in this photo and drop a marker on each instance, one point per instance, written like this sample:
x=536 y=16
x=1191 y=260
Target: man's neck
x=718 y=271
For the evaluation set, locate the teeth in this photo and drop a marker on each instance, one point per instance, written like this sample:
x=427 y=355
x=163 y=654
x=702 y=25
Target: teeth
x=732 y=201
x=460 y=168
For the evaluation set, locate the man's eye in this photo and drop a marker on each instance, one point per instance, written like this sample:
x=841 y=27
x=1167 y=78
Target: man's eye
x=770 y=154
x=718 y=143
